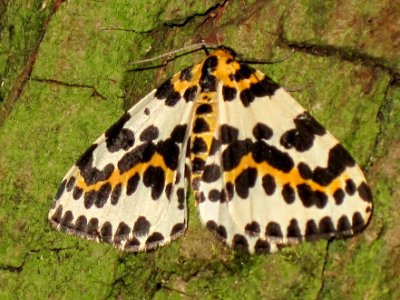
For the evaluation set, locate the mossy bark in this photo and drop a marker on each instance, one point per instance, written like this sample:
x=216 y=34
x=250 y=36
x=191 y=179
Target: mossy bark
x=342 y=64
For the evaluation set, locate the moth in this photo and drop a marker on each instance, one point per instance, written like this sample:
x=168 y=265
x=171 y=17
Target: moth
x=263 y=172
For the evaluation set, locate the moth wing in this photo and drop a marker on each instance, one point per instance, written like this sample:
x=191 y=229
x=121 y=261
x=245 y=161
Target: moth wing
x=283 y=178
x=128 y=188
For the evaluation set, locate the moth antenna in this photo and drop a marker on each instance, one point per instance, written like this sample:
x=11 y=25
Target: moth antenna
x=194 y=47
x=264 y=62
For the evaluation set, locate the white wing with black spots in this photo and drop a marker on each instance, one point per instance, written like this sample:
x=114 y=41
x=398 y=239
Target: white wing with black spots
x=278 y=177
x=128 y=188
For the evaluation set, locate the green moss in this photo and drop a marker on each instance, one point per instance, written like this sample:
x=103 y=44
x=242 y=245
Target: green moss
x=21 y=26
x=179 y=12
x=353 y=29
x=361 y=269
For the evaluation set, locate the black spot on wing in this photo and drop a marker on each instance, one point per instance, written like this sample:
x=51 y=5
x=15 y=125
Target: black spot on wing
x=199 y=145
x=89 y=199
x=170 y=151
x=288 y=193
x=358 y=222
x=122 y=233
x=186 y=74
x=244 y=181
x=208 y=82
x=264 y=87
x=262 y=131
x=81 y=224
x=132 y=244
x=229 y=93
x=261 y=88
x=306 y=194
x=304 y=171
x=132 y=184
x=154 y=238
x=97 y=197
x=306 y=123
x=293 y=230
x=150 y=133
x=224 y=196
x=91 y=174
x=70 y=183
x=309 y=197
x=168 y=190
x=268 y=184
x=219 y=230
x=60 y=190
x=94 y=175
x=93 y=227
x=262 y=246
x=77 y=193
x=343 y=224
x=66 y=220
x=204 y=109
x=154 y=178
x=173 y=99
x=282 y=161
x=117 y=137
x=102 y=195
x=228 y=134
x=180 y=193
x=106 y=232
x=253 y=229
x=239 y=242
x=234 y=152
x=229 y=189
x=178 y=228
x=198 y=165
x=364 y=192
x=273 y=229
x=178 y=133
x=312 y=231
x=247 y=97
x=200 y=126
x=190 y=93
x=141 y=226
x=302 y=137
x=350 y=187
x=244 y=72
x=339 y=159
x=86 y=158
x=214 y=195
x=200 y=197
x=166 y=91
x=140 y=154
x=321 y=199
x=326 y=226
x=116 y=194
x=211 y=173
x=339 y=195
x=215 y=146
